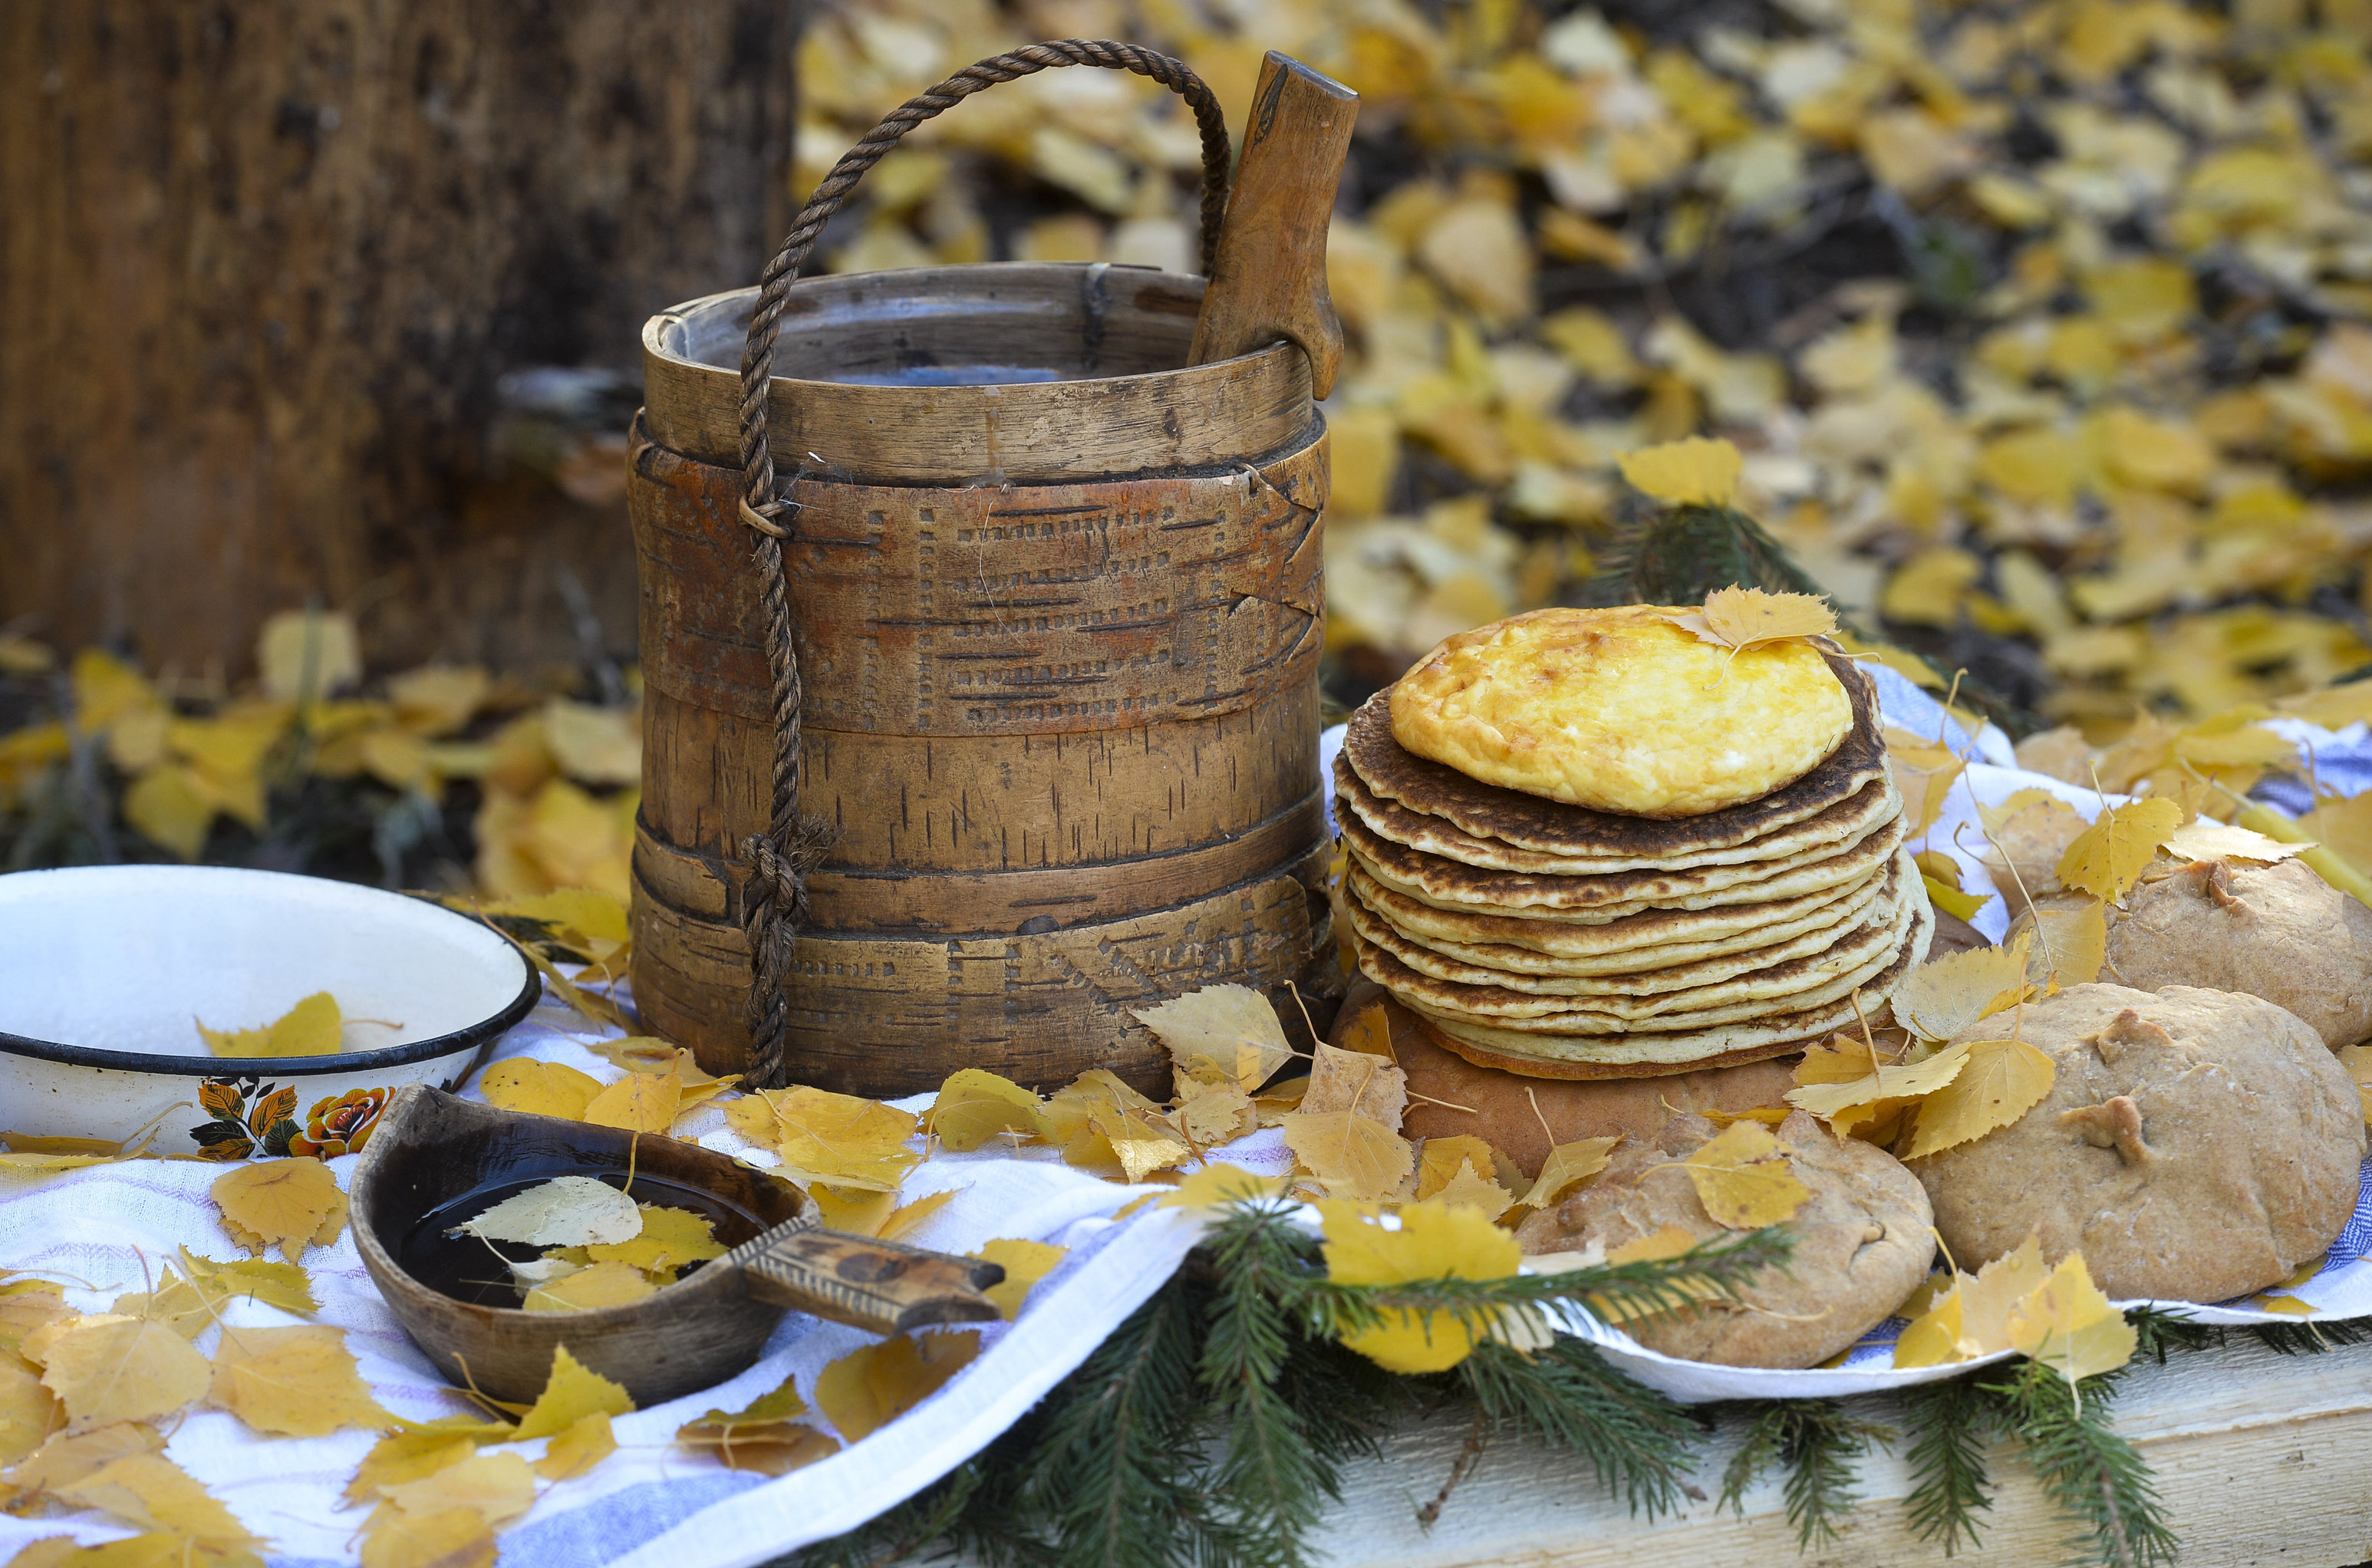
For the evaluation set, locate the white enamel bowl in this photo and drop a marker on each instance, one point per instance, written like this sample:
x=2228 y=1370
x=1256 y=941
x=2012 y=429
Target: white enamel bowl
x=105 y=970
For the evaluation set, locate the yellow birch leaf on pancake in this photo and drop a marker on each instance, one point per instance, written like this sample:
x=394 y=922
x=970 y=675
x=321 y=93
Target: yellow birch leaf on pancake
x=639 y=1102
x=151 y=1492
x=284 y=1285
x=299 y=1382
x=1354 y=1157
x=1994 y=1291
x=287 y=1203
x=1933 y=1338
x=869 y=1387
x=539 y=1088
x=2003 y=1079
x=571 y=1392
x=1945 y=995
x=28 y=1412
x=2109 y=856
x=842 y=1140
x=1470 y=1189
x=1568 y=1167
x=1354 y=1081
x=2357 y=1060
x=1748 y=618
x=2206 y=839
x=105 y=1369
x=586 y=1442
x=1025 y=1263
x=1743 y=1178
x=312 y=1027
x=974 y=1105
x=1691 y=473
x=417 y=1448
x=1221 y=1034
x=442 y=1538
x=2067 y=1325
x=2070 y=944
x=1435 y=1241
x=498 y=1487
x=597 y=1285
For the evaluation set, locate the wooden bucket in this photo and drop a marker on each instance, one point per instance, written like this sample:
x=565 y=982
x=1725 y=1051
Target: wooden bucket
x=1059 y=637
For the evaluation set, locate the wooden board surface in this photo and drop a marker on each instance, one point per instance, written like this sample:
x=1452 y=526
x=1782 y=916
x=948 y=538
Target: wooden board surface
x=2264 y=1460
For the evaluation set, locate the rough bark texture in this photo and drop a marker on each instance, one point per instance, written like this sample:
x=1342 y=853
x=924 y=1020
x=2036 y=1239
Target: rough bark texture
x=263 y=264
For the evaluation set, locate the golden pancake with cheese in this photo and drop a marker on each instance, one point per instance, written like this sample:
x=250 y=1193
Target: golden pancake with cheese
x=1621 y=710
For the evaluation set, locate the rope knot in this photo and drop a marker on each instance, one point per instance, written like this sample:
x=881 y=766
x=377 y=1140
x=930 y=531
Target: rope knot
x=761 y=519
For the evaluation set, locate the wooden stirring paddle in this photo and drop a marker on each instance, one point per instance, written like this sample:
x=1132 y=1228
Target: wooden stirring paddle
x=1270 y=279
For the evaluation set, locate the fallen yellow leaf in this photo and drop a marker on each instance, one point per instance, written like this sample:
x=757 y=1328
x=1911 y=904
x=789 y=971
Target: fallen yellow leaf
x=1221 y=1034
x=1691 y=473
x=106 y=1369
x=871 y=1387
x=1945 y=995
x=299 y=1382
x=66 y=1457
x=2070 y=944
x=596 y=1285
x=1738 y=619
x=539 y=1088
x=151 y=1493
x=441 y=1538
x=639 y=1102
x=417 y=1448
x=2067 y=1325
x=1025 y=1263
x=1743 y=1178
x=1567 y=1165
x=2109 y=856
x=498 y=1488
x=287 y=1203
x=768 y=1438
x=570 y=1394
x=1434 y=1242
x=312 y=1027
x=1355 y=1157
x=28 y=1412
x=1217 y=1184
x=2000 y=1082
x=585 y=1442
x=1989 y=1297
x=974 y=1105
x=841 y=1140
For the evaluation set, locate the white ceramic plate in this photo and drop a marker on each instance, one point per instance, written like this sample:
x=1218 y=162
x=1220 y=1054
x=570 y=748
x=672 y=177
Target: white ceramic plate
x=105 y=972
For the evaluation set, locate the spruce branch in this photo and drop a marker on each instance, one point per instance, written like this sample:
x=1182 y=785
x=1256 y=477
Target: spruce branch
x=1819 y=1444
x=1636 y=1441
x=2308 y=1336
x=2095 y=1476
x=1949 y=1424
x=2156 y=1331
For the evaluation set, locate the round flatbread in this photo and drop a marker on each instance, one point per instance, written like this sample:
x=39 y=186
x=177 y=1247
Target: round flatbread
x=1641 y=941
x=1650 y=1055
x=1484 y=812
x=1438 y=835
x=1802 y=983
x=1445 y=884
x=1702 y=980
x=1622 y=710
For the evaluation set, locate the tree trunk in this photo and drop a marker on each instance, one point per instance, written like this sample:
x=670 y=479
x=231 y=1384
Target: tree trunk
x=264 y=265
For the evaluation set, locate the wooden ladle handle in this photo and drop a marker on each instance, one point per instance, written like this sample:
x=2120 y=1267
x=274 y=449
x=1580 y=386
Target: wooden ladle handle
x=883 y=1287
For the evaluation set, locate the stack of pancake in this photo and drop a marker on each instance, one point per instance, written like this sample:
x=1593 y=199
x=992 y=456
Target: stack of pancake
x=1769 y=891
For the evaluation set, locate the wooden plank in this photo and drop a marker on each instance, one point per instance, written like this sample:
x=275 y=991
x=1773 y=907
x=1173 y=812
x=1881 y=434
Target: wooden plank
x=1016 y=610
x=1128 y=326
x=2262 y=1459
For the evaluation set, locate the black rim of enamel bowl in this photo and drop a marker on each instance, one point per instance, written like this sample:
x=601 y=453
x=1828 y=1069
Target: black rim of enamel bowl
x=465 y=1038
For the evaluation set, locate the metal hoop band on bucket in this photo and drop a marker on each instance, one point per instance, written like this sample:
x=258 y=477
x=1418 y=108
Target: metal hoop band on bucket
x=793 y=846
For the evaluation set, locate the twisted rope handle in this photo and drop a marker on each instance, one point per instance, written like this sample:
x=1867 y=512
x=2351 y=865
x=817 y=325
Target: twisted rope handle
x=774 y=898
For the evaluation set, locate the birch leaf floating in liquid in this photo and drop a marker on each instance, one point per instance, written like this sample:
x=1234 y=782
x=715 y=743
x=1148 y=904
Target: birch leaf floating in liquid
x=568 y=1211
